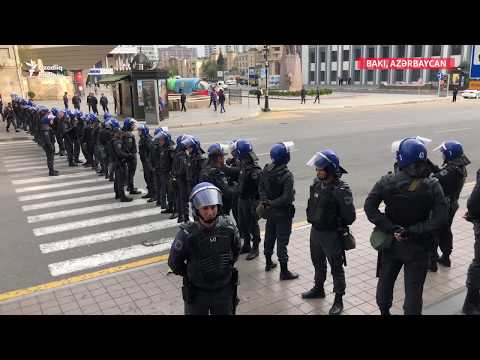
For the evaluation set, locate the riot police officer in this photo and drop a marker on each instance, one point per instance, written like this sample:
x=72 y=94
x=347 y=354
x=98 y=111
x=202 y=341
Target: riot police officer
x=87 y=140
x=452 y=177
x=10 y=117
x=131 y=146
x=233 y=171
x=93 y=144
x=415 y=207
x=471 y=306
x=195 y=160
x=163 y=152
x=179 y=180
x=121 y=157
x=58 y=129
x=204 y=253
x=248 y=198
x=144 y=150
x=47 y=140
x=68 y=138
x=330 y=209
x=277 y=194
x=214 y=174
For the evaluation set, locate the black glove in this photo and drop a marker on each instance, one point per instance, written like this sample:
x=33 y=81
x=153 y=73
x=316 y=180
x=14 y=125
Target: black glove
x=267 y=203
x=400 y=233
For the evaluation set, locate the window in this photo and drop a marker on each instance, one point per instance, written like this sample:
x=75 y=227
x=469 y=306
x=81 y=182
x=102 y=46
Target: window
x=456 y=49
x=322 y=56
x=384 y=75
x=276 y=49
x=371 y=52
x=415 y=75
x=385 y=51
x=333 y=76
x=322 y=75
x=333 y=56
x=356 y=75
x=401 y=51
x=436 y=50
x=312 y=55
x=370 y=75
x=398 y=75
x=346 y=55
x=358 y=53
x=312 y=76
x=417 y=51
x=4 y=53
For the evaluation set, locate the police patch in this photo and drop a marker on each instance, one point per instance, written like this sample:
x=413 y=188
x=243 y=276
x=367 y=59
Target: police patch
x=177 y=245
x=348 y=200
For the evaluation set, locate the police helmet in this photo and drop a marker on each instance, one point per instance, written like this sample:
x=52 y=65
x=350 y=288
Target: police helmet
x=280 y=153
x=45 y=120
x=205 y=194
x=410 y=151
x=143 y=130
x=243 y=148
x=451 y=150
x=129 y=124
x=328 y=161
x=217 y=150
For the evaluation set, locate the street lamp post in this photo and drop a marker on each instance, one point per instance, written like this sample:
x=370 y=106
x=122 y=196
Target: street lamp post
x=266 y=48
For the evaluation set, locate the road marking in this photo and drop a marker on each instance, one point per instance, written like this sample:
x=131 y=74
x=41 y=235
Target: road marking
x=23 y=163
x=19 y=142
x=83 y=211
x=49 y=178
x=59 y=185
x=100 y=259
x=64 y=192
x=107 y=236
x=451 y=130
x=70 y=201
x=44 y=167
x=17 y=161
x=53 y=229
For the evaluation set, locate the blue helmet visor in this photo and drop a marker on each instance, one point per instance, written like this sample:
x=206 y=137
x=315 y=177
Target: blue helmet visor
x=206 y=196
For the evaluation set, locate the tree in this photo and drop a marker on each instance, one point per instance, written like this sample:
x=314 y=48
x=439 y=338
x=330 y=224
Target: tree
x=221 y=62
x=209 y=70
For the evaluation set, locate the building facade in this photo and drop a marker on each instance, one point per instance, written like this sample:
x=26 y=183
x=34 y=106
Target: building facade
x=210 y=49
x=326 y=64
x=178 y=52
x=150 y=51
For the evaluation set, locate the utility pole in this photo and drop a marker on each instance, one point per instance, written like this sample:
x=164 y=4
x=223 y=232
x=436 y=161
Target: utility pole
x=266 y=49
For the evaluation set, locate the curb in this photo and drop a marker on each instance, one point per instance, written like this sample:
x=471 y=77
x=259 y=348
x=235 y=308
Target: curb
x=214 y=122
x=20 y=138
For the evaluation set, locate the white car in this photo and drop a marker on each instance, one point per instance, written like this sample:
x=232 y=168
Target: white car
x=231 y=82
x=471 y=94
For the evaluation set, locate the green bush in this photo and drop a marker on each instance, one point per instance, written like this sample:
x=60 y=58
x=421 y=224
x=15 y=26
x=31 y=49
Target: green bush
x=31 y=94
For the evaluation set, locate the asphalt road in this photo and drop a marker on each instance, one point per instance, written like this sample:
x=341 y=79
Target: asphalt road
x=54 y=228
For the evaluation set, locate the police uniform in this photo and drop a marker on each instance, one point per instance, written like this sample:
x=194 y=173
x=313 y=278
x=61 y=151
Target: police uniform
x=121 y=156
x=179 y=183
x=472 y=301
x=47 y=140
x=205 y=259
x=131 y=147
x=418 y=205
x=218 y=178
x=68 y=133
x=144 y=150
x=57 y=129
x=162 y=160
x=194 y=164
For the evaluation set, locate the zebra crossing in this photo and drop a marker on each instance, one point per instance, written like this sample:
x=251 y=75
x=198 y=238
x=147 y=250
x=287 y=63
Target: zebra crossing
x=74 y=217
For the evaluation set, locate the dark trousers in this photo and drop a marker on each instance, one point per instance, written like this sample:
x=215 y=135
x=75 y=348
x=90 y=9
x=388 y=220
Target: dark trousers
x=95 y=109
x=76 y=149
x=214 y=106
x=148 y=177
x=302 y=101
x=181 y=198
x=317 y=98
x=247 y=223
x=414 y=260
x=444 y=237
x=183 y=107
x=85 y=153
x=258 y=100
x=163 y=190
x=120 y=179
x=222 y=106
x=131 y=168
x=110 y=165
x=115 y=106
x=473 y=274
x=278 y=229
x=105 y=108
x=69 y=148
x=76 y=106
x=89 y=108
x=11 y=121
x=50 y=153
x=211 y=302
x=61 y=146
x=66 y=105
x=319 y=261
x=454 y=98
x=235 y=210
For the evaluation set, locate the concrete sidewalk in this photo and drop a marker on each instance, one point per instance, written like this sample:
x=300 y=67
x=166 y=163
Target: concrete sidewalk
x=150 y=290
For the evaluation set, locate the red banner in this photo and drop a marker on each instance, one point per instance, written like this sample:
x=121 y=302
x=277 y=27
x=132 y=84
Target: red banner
x=404 y=63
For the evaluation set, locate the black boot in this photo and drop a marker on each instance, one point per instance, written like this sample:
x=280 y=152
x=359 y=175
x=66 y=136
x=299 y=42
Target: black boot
x=166 y=211
x=180 y=219
x=134 y=191
x=285 y=274
x=147 y=196
x=173 y=216
x=270 y=264
x=314 y=293
x=151 y=200
x=433 y=267
x=246 y=248
x=471 y=306
x=124 y=198
x=385 y=312
x=337 y=306
x=253 y=253
x=53 y=173
x=445 y=260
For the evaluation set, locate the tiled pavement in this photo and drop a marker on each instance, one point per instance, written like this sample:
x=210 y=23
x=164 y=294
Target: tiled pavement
x=150 y=290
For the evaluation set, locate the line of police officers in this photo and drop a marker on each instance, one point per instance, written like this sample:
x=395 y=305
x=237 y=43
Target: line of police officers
x=420 y=200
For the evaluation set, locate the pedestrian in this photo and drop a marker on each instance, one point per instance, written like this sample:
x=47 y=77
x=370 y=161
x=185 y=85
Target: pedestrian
x=115 y=103
x=65 y=100
x=129 y=125
x=248 y=198
x=455 y=92
x=144 y=151
x=259 y=94
x=452 y=176
x=104 y=103
x=349 y=80
x=121 y=156
x=183 y=99
x=303 y=93
x=89 y=102
x=471 y=305
x=10 y=117
x=221 y=100
x=204 y=253
x=94 y=102
x=213 y=99
x=277 y=194
x=76 y=100
x=415 y=207
x=179 y=181
x=330 y=210
x=317 y=95
x=48 y=142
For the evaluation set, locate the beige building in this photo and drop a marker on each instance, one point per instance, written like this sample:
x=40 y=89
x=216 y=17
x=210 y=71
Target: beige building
x=11 y=79
x=230 y=60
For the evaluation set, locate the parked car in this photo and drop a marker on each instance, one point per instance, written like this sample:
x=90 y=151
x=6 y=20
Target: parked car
x=471 y=94
x=231 y=82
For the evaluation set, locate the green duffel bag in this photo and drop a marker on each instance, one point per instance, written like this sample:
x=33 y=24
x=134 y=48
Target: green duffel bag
x=380 y=240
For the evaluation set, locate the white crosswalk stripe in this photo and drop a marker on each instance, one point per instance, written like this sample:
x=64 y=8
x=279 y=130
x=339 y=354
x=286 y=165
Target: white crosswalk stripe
x=18 y=142
x=53 y=229
x=49 y=178
x=59 y=185
x=84 y=210
x=42 y=167
x=23 y=163
x=64 y=192
x=105 y=258
x=106 y=236
x=70 y=201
